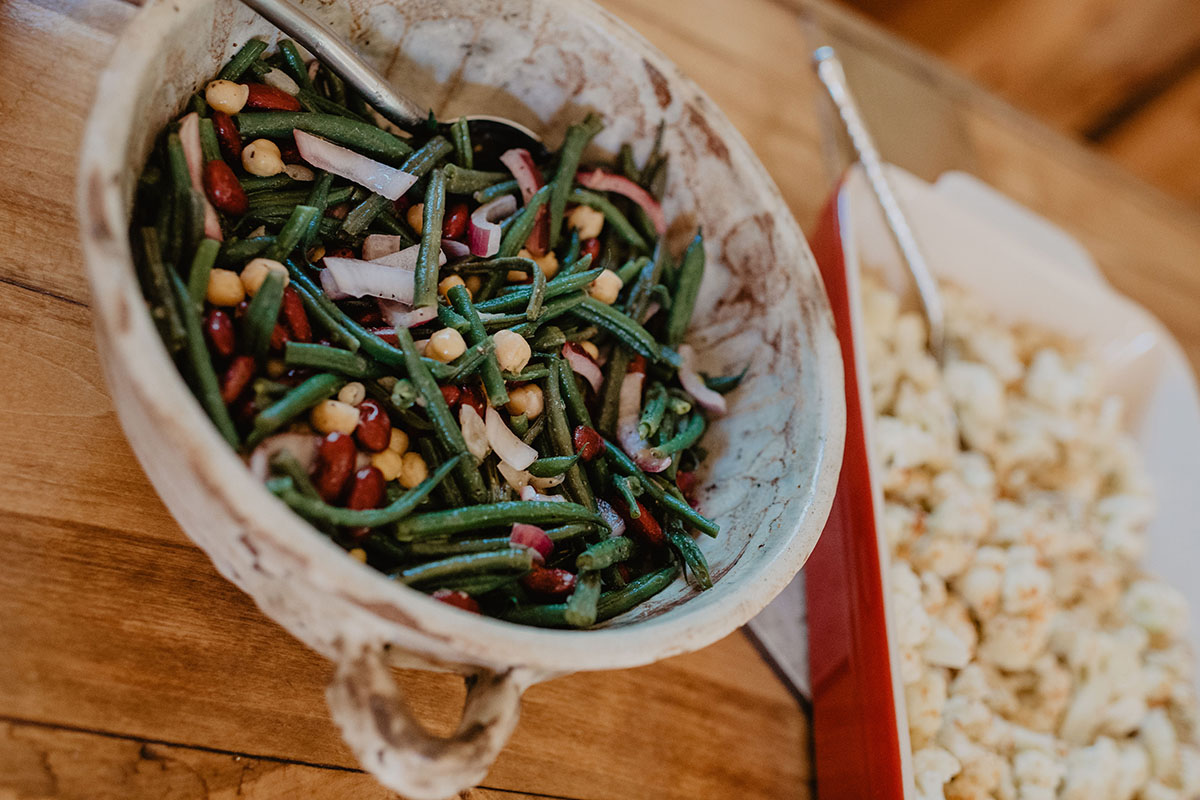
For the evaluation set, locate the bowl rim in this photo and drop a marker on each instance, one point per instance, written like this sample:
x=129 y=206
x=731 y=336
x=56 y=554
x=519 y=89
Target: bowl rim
x=130 y=340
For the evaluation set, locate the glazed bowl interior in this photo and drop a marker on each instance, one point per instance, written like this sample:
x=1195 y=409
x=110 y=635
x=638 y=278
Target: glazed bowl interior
x=774 y=459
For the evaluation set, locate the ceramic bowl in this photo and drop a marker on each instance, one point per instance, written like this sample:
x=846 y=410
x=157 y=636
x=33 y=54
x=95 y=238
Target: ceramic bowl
x=775 y=458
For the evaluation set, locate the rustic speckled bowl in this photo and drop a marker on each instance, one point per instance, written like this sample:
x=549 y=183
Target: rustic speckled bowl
x=775 y=457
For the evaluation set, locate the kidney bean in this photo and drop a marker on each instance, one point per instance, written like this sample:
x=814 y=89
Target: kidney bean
x=228 y=136
x=279 y=337
x=267 y=98
x=452 y=395
x=237 y=378
x=637 y=364
x=374 y=430
x=549 y=582
x=590 y=247
x=388 y=334
x=686 y=481
x=366 y=489
x=295 y=317
x=289 y=153
x=625 y=571
x=335 y=463
x=472 y=397
x=219 y=328
x=587 y=442
x=454 y=224
x=401 y=205
x=223 y=189
x=457 y=599
x=337 y=212
x=645 y=526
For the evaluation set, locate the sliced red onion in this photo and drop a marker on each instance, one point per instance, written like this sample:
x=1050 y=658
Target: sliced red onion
x=518 y=479
x=629 y=410
x=189 y=137
x=313 y=67
x=474 y=431
x=379 y=178
x=533 y=537
x=529 y=493
x=302 y=446
x=483 y=233
x=521 y=165
x=602 y=181
x=693 y=384
x=378 y=245
x=582 y=363
x=652 y=308
x=402 y=315
x=610 y=516
x=406 y=258
x=507 y=444
x=452 y=248
x=349 y=277
x=281 y=81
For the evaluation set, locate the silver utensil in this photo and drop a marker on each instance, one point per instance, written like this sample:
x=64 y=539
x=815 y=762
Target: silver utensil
x=319 y=39
x=833 y=78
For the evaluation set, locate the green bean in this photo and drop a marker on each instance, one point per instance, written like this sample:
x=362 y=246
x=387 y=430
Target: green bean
x=653 y=409
x=285 y=200
x=469 y=362
x=163 y=304
x=619 y=222
x=199 y=104
x=286 y=463
x=451 y=319
x=519 y=424
x=294 y=63
x=439 y=414
x=322 y=316
x=316 y=509
x=202 y=264
x=187 y=219
x=610 y=604
x=293 y=404
x=630 y=333
x=560 y=434
x=618 y=364
x=549 y=338
x=514 y=558
x=553 y=309
x=573 y=397
x=263 y=312
x=624 y=465
x=334 y=87
x=574 y=142
x=527 y=374
x=493 y=381
x=679 y=402
x=537 y=295
x=210 y=149
x=514 y=299
x=425 y=159
x=571 y=256
x=605 y=553
x=361 y=136
x=491 y=515
x=691 y=273
x=319 y=197
x=581 y=605
x=550 y=466
x=648 y=278
x=317 y=104
x=463 y=149
x=479 y=584
x=454 y=547
x=630 y=270
x=535 y=428
x=204 y=377
x=447 y=491
x=514 y=239
x=293 y=231
x=628 y=167
x=368 y=342
x=235 y=252
x=497 y=190
x=425 y=278
x=464 y=180
x=690 y=552
x=254 y=184
x=237 y=65
x=328 y=359
x=624 y=487
x=685 y=436
x=566 y=532
x=724 y=384
x=363 y=214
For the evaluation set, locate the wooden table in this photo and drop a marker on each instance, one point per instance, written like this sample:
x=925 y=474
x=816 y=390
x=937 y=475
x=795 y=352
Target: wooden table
x=129 y=669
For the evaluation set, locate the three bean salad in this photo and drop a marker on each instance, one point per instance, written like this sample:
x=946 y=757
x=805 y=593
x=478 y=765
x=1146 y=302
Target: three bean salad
x=464 y=364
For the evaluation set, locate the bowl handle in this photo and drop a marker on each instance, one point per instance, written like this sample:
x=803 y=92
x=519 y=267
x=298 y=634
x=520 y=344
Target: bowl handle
x=375 y=721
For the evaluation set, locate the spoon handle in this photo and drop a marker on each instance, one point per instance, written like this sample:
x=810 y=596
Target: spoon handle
x=319 y=39
x=833 y=77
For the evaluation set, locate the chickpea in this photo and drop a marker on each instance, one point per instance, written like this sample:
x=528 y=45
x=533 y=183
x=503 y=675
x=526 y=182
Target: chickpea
x=512 y=351
x=389 y=462
x=525 y=400
x=548 y=264
x=474 y=284
x=262 y=157
x=412 y=470
x=588 y=221
x=416 y=216
x=399 y=441
x=225 y=288
x=256 y=271
x=606 y=287
x=592 y=351
x=227 y=96
x=446 y=345
x=276 y=369
x=359 y=555
x=449 y=282
x=334 y=416
x=352 y=393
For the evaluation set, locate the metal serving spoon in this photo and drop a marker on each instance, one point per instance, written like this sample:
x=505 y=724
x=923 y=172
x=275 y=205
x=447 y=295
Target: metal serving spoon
x=833 y=78
x=496 y=134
